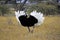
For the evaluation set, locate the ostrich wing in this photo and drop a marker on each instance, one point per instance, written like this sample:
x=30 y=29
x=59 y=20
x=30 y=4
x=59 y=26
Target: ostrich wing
x=18 y=14
x=38 y=16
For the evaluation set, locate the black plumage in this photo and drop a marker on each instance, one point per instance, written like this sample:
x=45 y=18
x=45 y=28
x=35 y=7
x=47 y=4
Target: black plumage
x=30 y=21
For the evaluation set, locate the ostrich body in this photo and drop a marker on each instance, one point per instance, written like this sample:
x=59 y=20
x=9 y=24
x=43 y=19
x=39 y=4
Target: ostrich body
x=34 y=19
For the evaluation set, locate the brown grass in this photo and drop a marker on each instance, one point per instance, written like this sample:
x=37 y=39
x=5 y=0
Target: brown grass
x=11 y=30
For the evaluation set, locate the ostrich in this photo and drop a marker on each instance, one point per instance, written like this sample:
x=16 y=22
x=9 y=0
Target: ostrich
x=32 y=20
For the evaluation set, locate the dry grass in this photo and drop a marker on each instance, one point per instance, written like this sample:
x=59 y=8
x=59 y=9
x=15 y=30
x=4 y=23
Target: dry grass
x=49 y=30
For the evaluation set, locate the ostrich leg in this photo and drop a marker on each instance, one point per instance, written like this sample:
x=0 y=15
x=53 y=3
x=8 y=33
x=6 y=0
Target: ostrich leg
x=29 y=29
x=32 y=29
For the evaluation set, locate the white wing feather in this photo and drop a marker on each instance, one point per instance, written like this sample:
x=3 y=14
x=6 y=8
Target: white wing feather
x=19 y=13
x=38 y=16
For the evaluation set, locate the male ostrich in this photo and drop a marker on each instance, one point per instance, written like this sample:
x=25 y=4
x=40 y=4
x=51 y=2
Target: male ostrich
x=34 y=19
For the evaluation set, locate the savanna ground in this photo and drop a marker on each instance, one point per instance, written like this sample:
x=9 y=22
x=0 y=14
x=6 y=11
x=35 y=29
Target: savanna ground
x=11 y=30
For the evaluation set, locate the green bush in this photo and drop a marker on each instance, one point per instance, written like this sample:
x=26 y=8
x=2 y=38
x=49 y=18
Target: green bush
x=44 y=8
x=4 y=10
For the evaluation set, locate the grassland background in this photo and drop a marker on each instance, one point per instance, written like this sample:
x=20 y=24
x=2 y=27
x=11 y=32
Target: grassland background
x=11 y=30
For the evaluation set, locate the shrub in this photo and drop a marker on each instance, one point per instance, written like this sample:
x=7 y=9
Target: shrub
x=4 y=10
x=44 y=8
